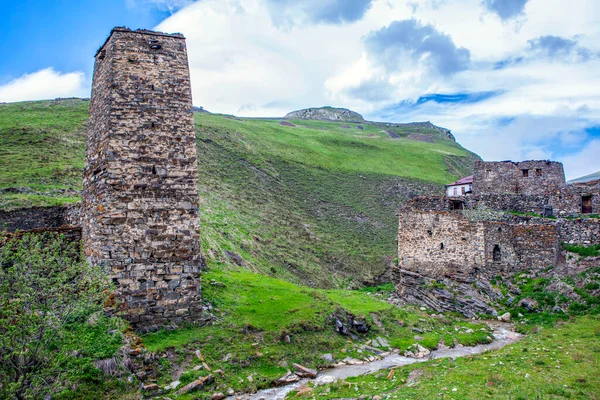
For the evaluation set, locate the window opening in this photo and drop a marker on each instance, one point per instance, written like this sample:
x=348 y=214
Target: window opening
x=496 y=256
x=586 y=204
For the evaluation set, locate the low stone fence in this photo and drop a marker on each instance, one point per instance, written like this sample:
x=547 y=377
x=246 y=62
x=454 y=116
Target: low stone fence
x=26 y=219
x=580 y=230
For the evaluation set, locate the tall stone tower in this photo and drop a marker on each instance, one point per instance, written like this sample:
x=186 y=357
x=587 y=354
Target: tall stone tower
x=140 y=193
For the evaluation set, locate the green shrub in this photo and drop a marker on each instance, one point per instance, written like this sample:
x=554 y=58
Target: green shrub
x=584 y=251
x=51 y=322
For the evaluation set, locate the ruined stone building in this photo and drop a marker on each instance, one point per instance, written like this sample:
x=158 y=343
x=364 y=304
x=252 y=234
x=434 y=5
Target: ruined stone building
x=451 y=248
x=526 y=177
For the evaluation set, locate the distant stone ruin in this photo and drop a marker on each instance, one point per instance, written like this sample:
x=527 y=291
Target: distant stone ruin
x=451 y=249
x=139 y=214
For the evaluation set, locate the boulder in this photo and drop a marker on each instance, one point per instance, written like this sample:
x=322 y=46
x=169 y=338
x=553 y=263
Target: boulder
x=286 y=379
x=304 y=371
x=529 y=304
x=417 y=351
x=504 y=317
x=197 y=384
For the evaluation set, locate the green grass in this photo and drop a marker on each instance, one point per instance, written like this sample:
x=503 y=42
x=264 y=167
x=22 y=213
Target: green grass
x=530 y=214
x=42 y=146
x=557 y=362
x=584 y=251
x=255 y=313
x=314 y=203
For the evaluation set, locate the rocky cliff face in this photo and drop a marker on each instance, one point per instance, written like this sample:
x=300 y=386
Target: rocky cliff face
x=326 y=113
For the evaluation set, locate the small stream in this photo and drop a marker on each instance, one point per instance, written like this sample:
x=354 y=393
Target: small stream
x=503 y=336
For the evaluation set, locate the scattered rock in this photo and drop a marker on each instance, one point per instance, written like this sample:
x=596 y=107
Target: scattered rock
x=419 y=338
x=199 y=355
x=417 y=351
x=326 y=380
x=230 y=392
x=529 y=304
x=197 y=368
x=328 y=358
x=151 y=387
x=228 y=357
x=172 y=385
x=197 y=384
x=250 y=378
x=326 y=113
x=304 y=371
x=382 y=342
x=373 y=350
x=303 y=391
x=504 y=317
x=287 y=379
x=218 y=396
x=415 y=329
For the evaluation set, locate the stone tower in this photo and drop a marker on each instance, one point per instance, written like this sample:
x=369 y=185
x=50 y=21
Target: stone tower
x=140 y=192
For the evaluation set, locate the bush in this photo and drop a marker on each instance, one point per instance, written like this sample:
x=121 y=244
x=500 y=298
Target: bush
x=47 y=296
x=584 y=251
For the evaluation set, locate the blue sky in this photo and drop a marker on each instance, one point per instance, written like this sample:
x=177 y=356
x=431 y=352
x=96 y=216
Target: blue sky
x=512 y=79
x=64 y=34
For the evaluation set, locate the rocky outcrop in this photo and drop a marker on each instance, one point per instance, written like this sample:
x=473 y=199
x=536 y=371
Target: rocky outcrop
x=326 y=113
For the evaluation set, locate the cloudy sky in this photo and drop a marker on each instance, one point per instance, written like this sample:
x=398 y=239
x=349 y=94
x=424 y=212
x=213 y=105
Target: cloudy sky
x=512 y=79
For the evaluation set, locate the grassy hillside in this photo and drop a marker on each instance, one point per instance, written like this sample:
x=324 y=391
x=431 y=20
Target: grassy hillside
x=306 y=201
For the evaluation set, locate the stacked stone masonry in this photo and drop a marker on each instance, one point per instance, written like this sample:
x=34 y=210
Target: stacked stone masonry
x=140 y=199
x=451 y=249
x=526 y=177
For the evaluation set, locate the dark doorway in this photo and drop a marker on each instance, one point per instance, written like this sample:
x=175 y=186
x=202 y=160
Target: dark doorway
x=456 y=205
x=586 y=204
x=496 y=253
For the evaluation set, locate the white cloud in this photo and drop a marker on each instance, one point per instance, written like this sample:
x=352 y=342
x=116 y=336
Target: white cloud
x=584 y=162
x=44 y=84
x=244 y=63
x=166 y=5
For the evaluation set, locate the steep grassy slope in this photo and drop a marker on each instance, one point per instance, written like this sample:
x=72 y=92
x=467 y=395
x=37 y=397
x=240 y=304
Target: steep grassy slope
x=306 y=201
x=314 y=201
x=42 y=147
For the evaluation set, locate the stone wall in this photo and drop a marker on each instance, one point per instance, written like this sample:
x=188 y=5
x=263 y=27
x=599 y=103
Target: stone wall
x=511 y=202
x=447 y=261
x=568 y=199
x=564 y=202
x=526 y=177
x=26 y=219
x=585 y=231
x=140 y=199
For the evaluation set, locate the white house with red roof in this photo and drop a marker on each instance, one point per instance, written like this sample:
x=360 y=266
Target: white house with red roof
x=461 y=187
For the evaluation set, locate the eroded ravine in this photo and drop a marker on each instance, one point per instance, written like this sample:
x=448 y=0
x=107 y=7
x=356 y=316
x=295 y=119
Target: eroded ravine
x=503 y=335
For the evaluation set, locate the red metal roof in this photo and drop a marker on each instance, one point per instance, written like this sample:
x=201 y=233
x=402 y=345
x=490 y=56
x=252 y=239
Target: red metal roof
x=462 y=181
